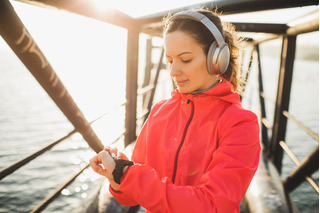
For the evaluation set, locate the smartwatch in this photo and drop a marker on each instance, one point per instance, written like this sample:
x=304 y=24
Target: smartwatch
x=118 y=170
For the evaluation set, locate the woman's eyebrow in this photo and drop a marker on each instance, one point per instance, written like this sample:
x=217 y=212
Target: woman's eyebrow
x=182 y=53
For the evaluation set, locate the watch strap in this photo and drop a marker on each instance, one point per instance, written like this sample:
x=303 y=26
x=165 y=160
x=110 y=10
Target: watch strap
x=118 y=170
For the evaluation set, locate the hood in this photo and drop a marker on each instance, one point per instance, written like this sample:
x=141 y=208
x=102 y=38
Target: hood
x=221 y=91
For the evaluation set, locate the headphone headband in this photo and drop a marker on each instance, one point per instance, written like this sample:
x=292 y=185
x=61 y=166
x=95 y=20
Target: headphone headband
x=196 y=16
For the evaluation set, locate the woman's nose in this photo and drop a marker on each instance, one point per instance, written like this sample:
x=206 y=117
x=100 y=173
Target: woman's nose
x=174 y=70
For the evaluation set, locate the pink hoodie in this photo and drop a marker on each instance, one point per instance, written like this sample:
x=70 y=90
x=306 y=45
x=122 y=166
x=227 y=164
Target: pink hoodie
x=196 y=153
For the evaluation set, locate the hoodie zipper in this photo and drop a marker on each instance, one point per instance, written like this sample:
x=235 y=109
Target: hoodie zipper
x=182 y=141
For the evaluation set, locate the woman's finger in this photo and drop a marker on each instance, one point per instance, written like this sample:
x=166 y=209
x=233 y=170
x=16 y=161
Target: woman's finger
x=95 y=163
x=107 y=149
x=114 y=152
x=122 y=156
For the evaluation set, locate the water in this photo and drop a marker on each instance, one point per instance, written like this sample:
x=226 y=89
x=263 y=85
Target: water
x=89 y=57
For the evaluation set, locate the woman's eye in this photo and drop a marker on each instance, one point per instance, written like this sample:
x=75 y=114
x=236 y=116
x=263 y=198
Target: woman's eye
x=186 y=61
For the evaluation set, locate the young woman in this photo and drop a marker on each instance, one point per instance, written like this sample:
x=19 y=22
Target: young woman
x=198 y=150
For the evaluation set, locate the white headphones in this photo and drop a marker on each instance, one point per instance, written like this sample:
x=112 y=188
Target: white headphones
x=218 y=55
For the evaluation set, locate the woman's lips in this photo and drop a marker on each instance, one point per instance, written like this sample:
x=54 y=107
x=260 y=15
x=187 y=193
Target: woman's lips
x=181 y=83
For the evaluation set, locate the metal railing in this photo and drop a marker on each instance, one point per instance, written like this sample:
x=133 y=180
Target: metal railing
x=26 y=49
x=310 y=164
x=275 y=145
x=15 y=166
x=45 y=202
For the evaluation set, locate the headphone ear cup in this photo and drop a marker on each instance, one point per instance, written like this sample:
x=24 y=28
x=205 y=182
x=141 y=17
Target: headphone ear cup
x=210 y=58
x=218 y=59
x=223 y=59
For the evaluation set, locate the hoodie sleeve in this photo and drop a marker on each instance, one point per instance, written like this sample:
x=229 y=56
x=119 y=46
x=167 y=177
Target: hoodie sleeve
x=222 y=186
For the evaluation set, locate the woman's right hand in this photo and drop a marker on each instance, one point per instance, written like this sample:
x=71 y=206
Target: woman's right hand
x=103 y=164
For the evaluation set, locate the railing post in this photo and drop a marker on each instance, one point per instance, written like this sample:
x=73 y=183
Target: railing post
x=155 y=83
x=282 y=101
x=132 y=85
x=149 y=65
x=147 y=72
x=264 y=130
x=21 y=42
x=247 y=72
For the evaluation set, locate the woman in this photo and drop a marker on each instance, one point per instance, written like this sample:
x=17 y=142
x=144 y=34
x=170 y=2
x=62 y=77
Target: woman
x=199 y=150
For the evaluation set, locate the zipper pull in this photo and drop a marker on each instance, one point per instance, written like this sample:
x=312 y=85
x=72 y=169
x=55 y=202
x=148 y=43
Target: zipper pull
x=188 y=102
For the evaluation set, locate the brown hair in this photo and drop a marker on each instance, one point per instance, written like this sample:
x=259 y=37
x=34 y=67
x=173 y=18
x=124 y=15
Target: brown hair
x=203 y=36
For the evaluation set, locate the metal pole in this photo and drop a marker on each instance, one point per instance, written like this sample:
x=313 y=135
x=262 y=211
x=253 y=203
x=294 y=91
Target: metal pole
x=149 y=64
x=132 y=85
x=282 y=101
x=147 y=70
x=153 y=91
x=264 y=130
x=18 y=38
x=247 y=74
x=303 y=171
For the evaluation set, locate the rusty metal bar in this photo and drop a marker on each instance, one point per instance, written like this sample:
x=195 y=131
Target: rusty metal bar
x=306 y=129
x=266 y=123
x=122 y=134
x=247 y=74
x=88 y=9
x=155 y=29
x=144 y=113
x=132 y=85
x=303 y=170
x=261 y=27
x=267 y=98
x=155 y=82
x=149 y=65
x=264 y=130
x=146 y=89
x=282 y=101
x=268 y=37
x=232 y=7
x=146 y=86
x=110 y=111
x=305 y=24
x=57 y=192
x=18 y=38
x=15 y=166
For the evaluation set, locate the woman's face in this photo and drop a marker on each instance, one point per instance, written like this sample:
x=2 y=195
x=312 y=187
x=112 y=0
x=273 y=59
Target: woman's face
x=187 y=63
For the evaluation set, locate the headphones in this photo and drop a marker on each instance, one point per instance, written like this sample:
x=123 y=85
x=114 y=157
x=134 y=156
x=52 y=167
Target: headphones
x=218 y=55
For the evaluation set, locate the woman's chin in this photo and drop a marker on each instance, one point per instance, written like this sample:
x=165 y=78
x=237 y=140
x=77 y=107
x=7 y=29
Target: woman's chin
x=183 y=90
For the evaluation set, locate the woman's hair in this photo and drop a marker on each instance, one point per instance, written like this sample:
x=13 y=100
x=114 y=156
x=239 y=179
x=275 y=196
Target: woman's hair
x=204 y=37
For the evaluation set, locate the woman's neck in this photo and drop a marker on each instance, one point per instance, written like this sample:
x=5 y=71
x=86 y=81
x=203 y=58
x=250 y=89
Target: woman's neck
x=219 y=80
